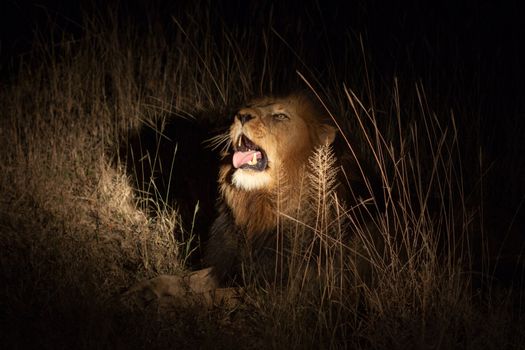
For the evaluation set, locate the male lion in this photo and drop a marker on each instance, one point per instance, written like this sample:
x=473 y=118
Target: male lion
x=271 y=142
x=264 y=163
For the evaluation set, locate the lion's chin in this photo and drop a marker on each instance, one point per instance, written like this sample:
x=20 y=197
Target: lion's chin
x=250 y=180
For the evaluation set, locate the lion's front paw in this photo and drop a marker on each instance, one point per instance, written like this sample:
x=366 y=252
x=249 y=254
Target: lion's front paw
x=159 y=287
x=172 y=289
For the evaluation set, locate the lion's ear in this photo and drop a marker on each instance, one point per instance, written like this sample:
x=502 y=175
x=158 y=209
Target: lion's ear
x=327 y=134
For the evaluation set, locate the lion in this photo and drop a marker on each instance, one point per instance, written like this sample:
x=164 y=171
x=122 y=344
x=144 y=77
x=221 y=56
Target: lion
x=264 y=163
x=271 y=140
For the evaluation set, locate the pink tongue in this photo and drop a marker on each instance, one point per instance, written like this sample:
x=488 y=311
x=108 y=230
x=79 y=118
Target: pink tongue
x=240 y=158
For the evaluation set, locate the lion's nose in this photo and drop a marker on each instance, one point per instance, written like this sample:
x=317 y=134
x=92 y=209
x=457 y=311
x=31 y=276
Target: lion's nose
x=243 y=118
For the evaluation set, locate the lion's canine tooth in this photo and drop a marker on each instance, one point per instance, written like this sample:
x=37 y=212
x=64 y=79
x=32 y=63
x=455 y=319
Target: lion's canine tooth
x=240 y=141
x=254 y=159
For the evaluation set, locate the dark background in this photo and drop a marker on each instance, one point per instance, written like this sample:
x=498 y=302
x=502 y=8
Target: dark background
x=482 y=40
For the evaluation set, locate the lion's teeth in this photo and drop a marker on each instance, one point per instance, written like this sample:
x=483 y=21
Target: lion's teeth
x=240 y=141
x=254 y=159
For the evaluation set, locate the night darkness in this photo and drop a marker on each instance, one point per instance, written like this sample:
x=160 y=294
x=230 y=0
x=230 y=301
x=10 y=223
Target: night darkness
x=477 y=44
x=468 y=56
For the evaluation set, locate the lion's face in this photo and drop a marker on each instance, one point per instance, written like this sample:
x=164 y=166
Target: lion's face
x=274 y=136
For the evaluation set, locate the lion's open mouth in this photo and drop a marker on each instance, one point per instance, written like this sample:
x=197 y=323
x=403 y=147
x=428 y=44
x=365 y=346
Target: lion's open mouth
x=248 y=155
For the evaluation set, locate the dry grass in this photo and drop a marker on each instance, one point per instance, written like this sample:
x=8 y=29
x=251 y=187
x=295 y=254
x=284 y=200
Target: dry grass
x=75 y=235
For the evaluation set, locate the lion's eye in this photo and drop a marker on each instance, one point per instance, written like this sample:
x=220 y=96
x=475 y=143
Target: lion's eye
x=280 y=117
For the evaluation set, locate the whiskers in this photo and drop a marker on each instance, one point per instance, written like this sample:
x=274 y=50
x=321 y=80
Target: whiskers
x=221 y=141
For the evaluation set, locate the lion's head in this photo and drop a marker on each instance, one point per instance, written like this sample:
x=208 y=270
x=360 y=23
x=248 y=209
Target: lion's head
x=271 y=141
x=274 y=136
